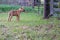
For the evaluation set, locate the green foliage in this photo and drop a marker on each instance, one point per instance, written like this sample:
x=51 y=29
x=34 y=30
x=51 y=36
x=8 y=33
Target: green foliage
x=5 y=8
x=29 y=9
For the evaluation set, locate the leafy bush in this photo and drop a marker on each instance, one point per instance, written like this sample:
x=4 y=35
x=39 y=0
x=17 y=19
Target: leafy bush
x=6 y=8
x=29 y=9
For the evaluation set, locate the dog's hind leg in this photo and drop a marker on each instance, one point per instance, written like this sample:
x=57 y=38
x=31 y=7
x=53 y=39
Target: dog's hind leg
x=10 y=17
x=17 y=18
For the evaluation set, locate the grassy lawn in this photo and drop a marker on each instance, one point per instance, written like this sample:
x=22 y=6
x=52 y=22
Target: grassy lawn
x=29 y=19
x=30 y=27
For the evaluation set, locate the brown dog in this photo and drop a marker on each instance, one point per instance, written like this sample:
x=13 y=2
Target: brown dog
x=15 y=13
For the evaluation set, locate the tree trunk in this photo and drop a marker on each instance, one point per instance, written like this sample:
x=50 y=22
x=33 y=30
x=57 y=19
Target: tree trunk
x=46 y=9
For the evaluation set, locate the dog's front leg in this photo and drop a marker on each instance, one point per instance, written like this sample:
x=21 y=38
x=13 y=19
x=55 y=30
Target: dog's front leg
x=17 y=18
x=10 y=17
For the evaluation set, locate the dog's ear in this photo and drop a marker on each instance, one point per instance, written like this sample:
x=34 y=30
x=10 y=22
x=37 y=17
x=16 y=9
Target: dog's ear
x=19 y=8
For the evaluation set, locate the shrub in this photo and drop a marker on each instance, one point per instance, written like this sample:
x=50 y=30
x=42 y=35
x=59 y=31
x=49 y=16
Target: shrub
x=6 y=8
x=29 y=9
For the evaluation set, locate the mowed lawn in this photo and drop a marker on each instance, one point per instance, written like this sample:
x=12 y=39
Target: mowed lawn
x=31 y=26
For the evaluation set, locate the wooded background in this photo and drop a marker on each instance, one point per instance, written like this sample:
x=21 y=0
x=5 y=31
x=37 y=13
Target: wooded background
x=18 y=2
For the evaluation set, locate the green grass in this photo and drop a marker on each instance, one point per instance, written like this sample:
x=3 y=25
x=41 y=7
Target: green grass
x=31 y=25
x=27 y=19
x=28 y=27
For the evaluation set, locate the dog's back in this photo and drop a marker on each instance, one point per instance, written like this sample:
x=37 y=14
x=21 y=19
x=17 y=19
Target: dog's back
x=14 y=13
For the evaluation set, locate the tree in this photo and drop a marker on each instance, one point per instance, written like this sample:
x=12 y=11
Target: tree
x=46 y=9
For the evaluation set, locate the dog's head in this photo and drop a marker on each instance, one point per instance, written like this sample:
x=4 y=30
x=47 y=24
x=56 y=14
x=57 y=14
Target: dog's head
x=22 y=9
